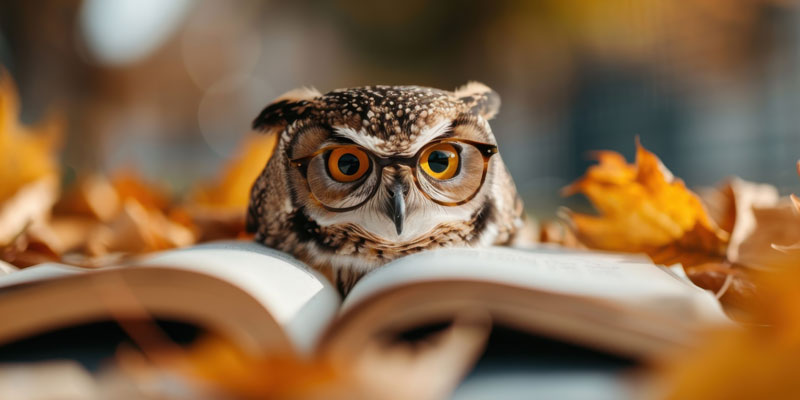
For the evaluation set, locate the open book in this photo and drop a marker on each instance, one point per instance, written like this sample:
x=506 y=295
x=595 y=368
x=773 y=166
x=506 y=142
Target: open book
x=267 y=301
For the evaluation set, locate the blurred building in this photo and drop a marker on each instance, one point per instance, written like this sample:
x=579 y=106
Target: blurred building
x=170 y=87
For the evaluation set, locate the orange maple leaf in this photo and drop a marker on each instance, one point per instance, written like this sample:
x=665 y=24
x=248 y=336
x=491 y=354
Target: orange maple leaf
x=644 y=208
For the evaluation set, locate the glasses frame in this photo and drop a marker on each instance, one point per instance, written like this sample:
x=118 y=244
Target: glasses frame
x=487 y=151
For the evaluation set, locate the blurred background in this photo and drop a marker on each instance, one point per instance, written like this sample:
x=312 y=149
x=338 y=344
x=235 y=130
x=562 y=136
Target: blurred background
x=169 y=88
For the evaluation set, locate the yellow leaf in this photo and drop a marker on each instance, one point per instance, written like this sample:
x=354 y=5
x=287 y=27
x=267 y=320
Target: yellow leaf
x=28 y=166
x=643 y=208
x=232 y=190
x=755 y=361
x=26 y=154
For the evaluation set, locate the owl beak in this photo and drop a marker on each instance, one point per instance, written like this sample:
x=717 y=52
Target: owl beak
x=398 y=206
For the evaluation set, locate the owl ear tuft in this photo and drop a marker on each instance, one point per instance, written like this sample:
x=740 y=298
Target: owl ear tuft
x=479 y=99
x=287 y=108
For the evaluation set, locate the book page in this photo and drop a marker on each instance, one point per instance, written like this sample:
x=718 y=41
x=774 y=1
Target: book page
x=604 y=275
x=299 y=298
x=38 y=273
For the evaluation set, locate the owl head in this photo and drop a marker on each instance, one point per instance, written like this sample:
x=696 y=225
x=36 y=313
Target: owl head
x=389 y=163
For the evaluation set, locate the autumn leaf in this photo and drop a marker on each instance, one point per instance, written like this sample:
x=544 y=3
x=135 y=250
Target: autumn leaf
x=754 y=361
x=28 y=166
x=719 y=238
x=792 y=249
x=765 y=226
x=105 y=219
x=217 y=209
x=27 y=154
x=220 y=363
x=28 y=206
x=232 y=189
x=137 y=229
x=644 y=208
x=769 y=244
x=92 y=196
x=129 y=185
x=381 y=369
x=558 y=233
x=757 y=359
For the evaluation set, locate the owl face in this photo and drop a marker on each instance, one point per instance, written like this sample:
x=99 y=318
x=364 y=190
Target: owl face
x=393 y=162
x=395 y=195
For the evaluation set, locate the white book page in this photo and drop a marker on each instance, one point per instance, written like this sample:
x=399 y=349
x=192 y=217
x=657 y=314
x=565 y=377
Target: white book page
x=299 y=298
x=36 y=273
x=608 y=276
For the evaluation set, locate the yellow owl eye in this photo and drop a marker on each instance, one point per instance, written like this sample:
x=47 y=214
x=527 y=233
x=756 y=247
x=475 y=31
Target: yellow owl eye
x=347 y=164
x=440 y=161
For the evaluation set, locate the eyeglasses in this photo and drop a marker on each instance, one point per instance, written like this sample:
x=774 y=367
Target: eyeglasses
x=448 y=171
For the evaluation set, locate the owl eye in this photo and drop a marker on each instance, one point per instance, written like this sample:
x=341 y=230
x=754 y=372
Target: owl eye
x=347 y=164
x=440 y=161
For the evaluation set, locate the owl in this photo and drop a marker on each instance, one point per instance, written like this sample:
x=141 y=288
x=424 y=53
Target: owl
x=362 y=176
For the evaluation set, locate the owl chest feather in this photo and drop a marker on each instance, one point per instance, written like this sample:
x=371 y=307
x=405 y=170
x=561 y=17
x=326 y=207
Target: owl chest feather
x=351 y=246
x=346 y=252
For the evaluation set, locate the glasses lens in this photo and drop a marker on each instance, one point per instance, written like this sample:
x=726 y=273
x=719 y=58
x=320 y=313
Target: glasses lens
x=341 y=178
x=450 y=172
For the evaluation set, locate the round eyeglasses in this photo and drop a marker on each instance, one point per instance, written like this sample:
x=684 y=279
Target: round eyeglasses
x=448 y=171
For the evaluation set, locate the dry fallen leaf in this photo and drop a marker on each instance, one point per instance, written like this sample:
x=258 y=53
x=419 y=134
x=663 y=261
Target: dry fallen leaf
x=124 y=216
x=732 y=284
x=759 y=219
x=754 y=361
x=216 y=210
x=30 y=204
x=558 y=233
x=128 y=184
x=28 y=166
x=643 y=208
x=27 y=154
x=92 y=196
x=232 y=190
x=765 y=247
x=741 y=227
x=792 y=249
x=136 y=230
x=428 y=369
x=219 y=363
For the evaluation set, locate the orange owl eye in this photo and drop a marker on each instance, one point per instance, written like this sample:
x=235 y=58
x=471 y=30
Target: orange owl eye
x=440 y=161
x=347 y=164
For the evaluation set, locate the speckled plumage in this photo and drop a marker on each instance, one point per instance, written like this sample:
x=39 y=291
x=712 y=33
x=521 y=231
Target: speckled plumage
x=388 y=121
